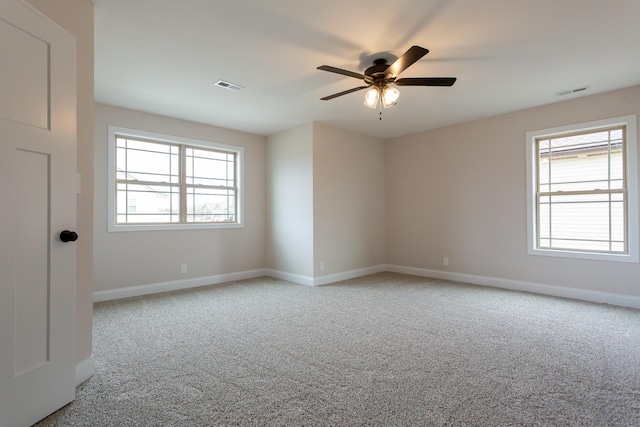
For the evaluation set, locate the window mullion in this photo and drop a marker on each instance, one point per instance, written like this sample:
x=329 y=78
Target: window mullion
x=537 y=169
x=549 y=175
x=183 y=183
x=182 y=179
x=574 y=193
x=610 y=194
x=126 y=168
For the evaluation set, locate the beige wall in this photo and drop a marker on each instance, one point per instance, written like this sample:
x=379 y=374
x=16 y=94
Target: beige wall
x=459 y=192
x=290 y=201
x=125 y=259
x=348 y=200
x=325 y=202
x=76 y=16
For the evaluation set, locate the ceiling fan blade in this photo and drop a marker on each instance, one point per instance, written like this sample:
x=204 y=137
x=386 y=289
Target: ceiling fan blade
x=405 y=61
x=335 y=95
x=426 y=81
x=341 y=71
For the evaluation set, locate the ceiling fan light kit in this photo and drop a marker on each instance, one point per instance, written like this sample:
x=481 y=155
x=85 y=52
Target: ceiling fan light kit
x=381 y=75
x=389 y=97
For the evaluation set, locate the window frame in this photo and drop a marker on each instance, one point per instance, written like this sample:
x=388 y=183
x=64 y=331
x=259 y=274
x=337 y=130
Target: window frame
x=117 y=131
x=630 y=155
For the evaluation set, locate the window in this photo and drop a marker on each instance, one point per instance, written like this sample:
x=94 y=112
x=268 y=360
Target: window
x=159 y=182
x=582 y=191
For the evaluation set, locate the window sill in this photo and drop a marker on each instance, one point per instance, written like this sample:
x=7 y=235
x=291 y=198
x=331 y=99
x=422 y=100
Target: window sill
x=630 y=258
x=171 y=227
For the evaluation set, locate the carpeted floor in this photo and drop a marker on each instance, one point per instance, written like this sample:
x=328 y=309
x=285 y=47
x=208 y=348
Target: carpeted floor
x=382 y=350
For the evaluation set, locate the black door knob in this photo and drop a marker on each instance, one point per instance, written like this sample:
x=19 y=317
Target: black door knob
x=68 y=236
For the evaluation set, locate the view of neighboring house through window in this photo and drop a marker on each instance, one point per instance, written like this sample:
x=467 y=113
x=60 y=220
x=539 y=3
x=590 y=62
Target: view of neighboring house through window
x=581 y=193
x=159 y=180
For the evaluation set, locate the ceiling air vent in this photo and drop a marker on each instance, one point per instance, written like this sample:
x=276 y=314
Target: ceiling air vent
x=570 y=91
x=227 y=85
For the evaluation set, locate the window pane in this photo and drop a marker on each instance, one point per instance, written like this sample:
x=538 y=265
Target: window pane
x=580 y=172
x=583 y=221
x=544 y=229
x=618 y=247
x=617 y=222
x=210 y=168
x=147 y=161
x=583 y=162
x=543 y=173
x=211 y=205
x=158 y=203
x=617 y=168
x=580 y=246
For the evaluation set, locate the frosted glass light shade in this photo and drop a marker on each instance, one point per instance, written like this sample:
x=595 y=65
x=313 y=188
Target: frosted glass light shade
x=390 y=96
x=371 y=97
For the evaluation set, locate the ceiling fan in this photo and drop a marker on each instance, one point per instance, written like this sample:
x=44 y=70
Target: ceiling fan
x=380 y=76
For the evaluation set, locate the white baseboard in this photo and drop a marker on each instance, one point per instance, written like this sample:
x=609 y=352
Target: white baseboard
x=517 y=285
x=325 y=280
x=175 y=285
x=85 y=370
x=291 y=277
x=155 y=288
x=346 y=275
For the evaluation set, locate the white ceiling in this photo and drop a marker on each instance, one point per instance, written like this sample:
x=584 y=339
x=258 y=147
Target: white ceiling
x=163 y=57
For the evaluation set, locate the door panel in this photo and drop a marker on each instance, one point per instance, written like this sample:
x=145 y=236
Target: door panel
x=28 y=71
x=32 y=257
x=37 y=202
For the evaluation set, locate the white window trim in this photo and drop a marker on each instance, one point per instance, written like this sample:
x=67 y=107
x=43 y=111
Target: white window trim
x=631 y=166
x=111 y=179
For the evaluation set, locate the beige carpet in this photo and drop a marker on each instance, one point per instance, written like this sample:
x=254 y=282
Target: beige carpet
x=382 y=350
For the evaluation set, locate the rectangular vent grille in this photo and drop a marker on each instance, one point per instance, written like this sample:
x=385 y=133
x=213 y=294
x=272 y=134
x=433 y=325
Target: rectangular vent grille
x=570 y=91
x=228 y=85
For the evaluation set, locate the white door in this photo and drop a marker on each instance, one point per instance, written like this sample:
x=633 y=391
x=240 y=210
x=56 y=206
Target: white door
x=37 y=201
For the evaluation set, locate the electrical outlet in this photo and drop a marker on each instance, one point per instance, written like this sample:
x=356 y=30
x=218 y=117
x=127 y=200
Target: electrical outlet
x=321 y=265
x=183 y=268
x=445 y=262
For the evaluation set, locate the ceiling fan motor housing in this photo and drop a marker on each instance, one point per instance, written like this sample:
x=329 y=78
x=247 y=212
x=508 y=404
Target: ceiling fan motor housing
x=375 y=73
